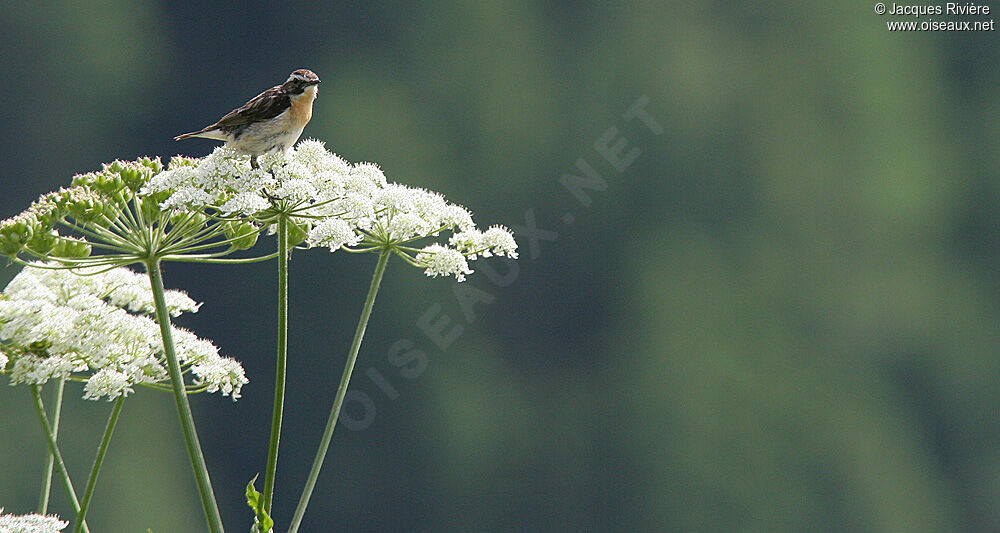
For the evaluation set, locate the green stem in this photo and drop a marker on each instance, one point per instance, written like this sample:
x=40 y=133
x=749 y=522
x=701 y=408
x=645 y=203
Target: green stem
x=98 y=461
x=54 y=450
x=181 y=401
x=214 y=258
x=279 y=374
x=338 y=401
x=43 y=501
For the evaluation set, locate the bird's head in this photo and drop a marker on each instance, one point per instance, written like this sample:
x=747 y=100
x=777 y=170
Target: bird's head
x=300 y=80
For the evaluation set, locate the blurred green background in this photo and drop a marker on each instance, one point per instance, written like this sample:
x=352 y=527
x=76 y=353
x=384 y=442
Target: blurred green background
x=781 y=316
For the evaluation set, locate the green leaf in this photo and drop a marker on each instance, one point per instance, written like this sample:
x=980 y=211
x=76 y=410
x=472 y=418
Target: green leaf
x=150 y=207
x=296 y=234
x=253 y=497
x=262 y=521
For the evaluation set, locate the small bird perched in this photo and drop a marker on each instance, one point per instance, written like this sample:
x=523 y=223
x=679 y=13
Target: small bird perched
x=270 y=122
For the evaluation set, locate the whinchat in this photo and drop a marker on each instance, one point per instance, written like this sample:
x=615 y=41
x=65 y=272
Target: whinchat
x=270 y=122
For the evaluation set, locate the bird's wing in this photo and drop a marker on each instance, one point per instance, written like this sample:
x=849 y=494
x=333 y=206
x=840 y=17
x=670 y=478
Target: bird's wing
x=265 y=105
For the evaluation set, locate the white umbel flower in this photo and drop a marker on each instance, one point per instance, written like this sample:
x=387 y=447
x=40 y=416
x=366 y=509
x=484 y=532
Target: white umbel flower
x=296 y=190
x=443 y=261
x=339 y=205
x=497 y=240
x=121 y=287
x=36 y=370
x=367 y=176
x=313 y=155
x=54 y=324
x=334 y=233
x=30 y=523
x=243 y=203
x=220 y=374
x=107 y=383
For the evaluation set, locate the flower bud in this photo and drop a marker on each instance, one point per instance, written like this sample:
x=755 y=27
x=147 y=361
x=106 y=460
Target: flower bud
x=14 y=236
x=86 y=209
x=43 y=240
x=194 y=221
x=107 y=181
x=244 y=234
x=71 y=249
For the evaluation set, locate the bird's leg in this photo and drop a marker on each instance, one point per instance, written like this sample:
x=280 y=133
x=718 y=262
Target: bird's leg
x=255 y=166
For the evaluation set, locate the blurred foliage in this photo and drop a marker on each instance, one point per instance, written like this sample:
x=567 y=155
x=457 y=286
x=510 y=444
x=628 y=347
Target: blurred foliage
x=781 y=317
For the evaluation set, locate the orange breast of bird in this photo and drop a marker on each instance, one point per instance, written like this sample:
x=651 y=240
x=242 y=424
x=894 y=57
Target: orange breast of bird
x=302 y=108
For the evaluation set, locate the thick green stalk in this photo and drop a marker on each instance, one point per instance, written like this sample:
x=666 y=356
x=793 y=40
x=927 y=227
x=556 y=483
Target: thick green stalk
x=338 y=400
x=180 y=399
x=279 y=373
x=54 y=450
x=43 y=500
x=88 y=493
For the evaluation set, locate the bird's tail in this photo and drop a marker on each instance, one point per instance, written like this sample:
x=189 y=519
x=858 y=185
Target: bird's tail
x=206 y=133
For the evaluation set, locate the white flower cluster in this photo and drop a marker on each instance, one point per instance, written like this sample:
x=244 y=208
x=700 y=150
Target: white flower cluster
x=121 y=287
x=30 y=523
x=54 y=323
x=338 y=203
x=224 y=180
